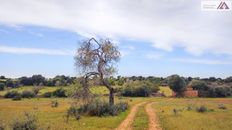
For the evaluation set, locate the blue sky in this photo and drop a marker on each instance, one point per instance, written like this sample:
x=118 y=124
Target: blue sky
x=40 y=37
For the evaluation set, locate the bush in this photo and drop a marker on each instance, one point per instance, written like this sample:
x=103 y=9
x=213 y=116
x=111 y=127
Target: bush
x=221 y=106
x=139 y=89
x=12 y=94
x=2 y=126
x=177 y=84
x=54 y=103
x=29 y=122
x=28 y=94
x=2 y=86
x=60 y=93
x=99 y=108
x=220 y=92
x=202 y=109
x=48 y=94
x=17 y=98
x=199 y=85
x=36 y=90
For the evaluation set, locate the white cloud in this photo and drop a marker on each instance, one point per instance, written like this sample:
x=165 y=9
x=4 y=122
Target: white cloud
x=22 y=50
x=166 y=24
x=203 y=61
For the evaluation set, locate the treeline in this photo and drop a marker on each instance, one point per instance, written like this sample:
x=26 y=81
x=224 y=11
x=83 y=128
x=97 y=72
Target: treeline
x=37 y=80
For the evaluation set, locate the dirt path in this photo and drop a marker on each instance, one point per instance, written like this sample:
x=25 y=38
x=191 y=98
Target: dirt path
x=153 y=122
x=126 y=124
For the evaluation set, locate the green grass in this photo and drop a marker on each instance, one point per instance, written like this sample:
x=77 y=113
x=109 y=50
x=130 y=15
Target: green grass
x=54 y=117
x=101 y=90
x=41 y=92
x=141 y=120
x=166 y=90
x=184 y=120
x=192 y=120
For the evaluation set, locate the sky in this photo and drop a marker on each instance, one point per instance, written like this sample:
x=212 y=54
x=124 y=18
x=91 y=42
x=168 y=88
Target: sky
x=157 y=38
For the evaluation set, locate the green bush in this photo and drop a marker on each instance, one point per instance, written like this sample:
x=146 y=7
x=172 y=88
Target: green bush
x=17 y=98
x=28 y=94
x=2 y=86
x=139 y=89
x=99 y=108
x=48 y=94
x=220 y=92
x=12 y=94
x=59 y=93
x=29 y=122
x=202 y=109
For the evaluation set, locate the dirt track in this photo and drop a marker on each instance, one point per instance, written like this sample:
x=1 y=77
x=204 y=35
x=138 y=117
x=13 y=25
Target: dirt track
x=126 y=124
x=153 y=122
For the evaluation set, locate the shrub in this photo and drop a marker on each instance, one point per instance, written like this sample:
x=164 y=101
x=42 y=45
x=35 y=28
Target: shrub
x=54 y=103
x=220 y=92
x=177 y=84
x=2 y=126
x=199 y=85
x=73 y=112
x=48 y=94
x=28 y=94
x=99 y=108
x=36 y=90
x=12 y=94
x=221 y=106
x=59 y=93
x=202 y=109
x=2 y=86
x=139 y=89
x=29 y=122
x=17 y=98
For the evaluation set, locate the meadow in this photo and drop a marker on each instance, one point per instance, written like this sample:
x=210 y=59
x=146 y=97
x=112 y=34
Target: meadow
x=185 y=118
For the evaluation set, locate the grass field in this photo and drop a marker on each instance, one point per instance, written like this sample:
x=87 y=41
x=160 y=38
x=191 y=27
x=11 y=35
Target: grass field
x=187 y=118
x=54 y=117
x=95 y=90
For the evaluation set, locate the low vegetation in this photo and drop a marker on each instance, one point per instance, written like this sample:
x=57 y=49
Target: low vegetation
x=27 y=122
x=99 y=108
x=194 y=114
x=139 y=89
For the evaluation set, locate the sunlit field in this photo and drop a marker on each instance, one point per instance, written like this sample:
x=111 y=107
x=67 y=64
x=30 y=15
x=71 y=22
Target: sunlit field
x=187 y=118
x=184 y=119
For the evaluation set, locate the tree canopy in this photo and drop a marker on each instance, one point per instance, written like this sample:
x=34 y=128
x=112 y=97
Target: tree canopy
x=97 y=58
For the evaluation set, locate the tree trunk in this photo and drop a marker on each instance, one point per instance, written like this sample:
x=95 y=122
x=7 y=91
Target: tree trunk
x=111 y=97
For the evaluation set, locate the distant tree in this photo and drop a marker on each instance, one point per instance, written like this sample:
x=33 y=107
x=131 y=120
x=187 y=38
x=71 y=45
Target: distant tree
x=2 y=86
x=212 y=79
x=10 y=83
x=198 y=85
x=2 y=77
x=177 y=84
x=37 y=79
x=25 y=81
x=228 y=79
x=97 y=58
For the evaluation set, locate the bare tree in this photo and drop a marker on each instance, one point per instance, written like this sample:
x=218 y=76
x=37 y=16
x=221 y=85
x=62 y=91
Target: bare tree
x=97 y=58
